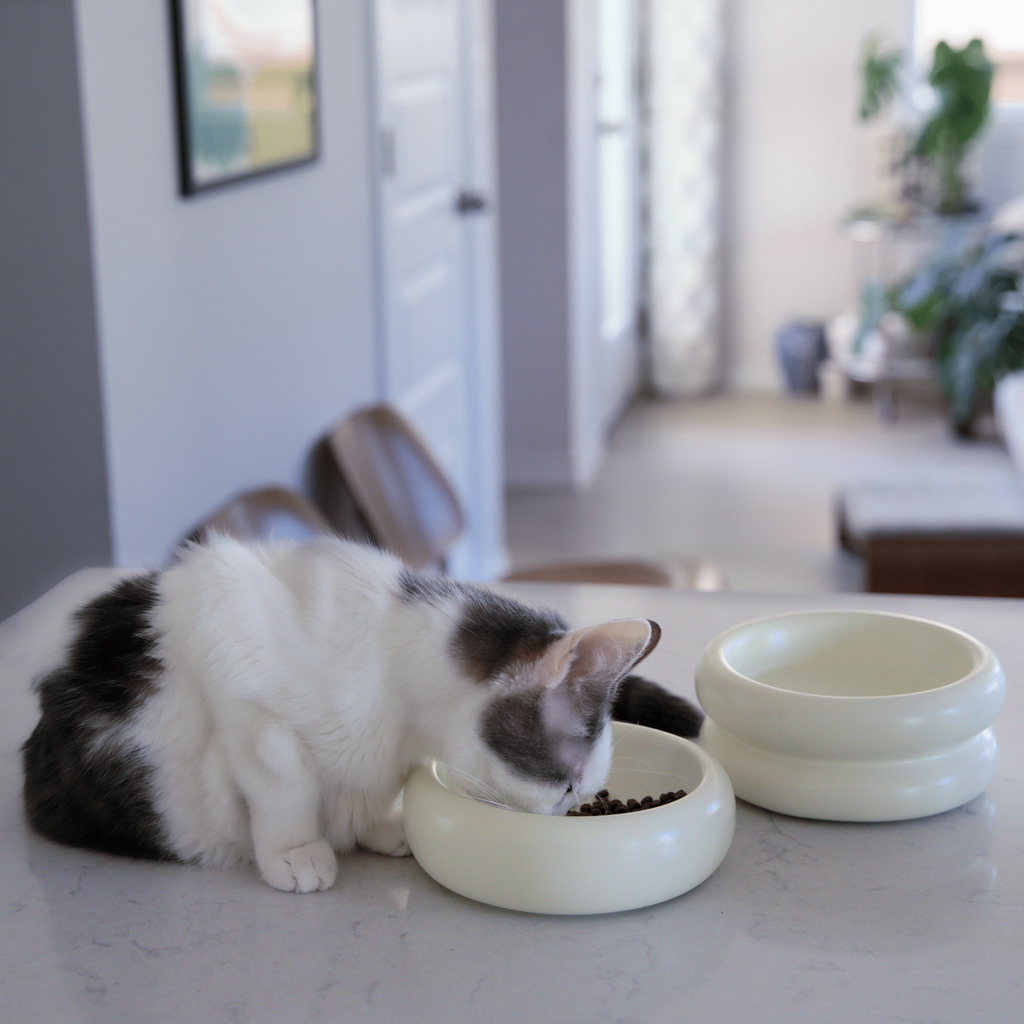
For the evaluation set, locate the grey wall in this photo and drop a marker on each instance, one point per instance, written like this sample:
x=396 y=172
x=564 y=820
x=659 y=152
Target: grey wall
x=564 y=383
x=53 y=495
x=533 y=172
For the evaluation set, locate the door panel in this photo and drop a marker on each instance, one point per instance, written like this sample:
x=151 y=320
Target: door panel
x=423 y=133
x=427 y=325
x=424 y=258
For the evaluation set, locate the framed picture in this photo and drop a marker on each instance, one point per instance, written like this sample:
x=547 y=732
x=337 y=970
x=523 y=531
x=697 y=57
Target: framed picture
x=247 y=88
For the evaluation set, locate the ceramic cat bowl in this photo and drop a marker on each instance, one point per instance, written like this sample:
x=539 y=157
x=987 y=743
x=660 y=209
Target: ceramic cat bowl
x=851 y=715
x=569 y=865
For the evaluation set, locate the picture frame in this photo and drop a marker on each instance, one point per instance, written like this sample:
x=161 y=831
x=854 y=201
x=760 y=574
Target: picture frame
x=246 y=82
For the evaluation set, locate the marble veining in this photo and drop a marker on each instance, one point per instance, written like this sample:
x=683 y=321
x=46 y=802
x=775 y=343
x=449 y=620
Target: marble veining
x=805 y=921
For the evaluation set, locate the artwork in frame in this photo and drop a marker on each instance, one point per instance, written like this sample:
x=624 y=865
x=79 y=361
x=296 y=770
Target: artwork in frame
x=247 y=88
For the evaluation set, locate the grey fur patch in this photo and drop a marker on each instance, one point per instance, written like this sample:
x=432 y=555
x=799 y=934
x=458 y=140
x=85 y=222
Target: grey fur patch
x=493 y=632
x=513 y=727
x=645 y=703
x=82 y=785
x=430 y=588
x=516 y=728
x=497 y=632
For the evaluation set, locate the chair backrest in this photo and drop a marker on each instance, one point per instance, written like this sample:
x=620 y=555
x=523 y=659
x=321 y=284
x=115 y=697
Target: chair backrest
x=401 y=491
x=266 y=513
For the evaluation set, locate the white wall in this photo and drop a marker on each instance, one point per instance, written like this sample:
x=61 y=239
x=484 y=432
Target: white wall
x=236 y=326
x=797 y=162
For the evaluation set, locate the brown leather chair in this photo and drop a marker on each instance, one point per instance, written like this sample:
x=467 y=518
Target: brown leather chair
x=410 y=507
x=397 y=486
x=265 y=513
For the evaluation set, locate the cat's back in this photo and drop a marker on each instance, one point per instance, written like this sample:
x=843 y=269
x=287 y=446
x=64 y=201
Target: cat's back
x=263 y=622
x=227 y=588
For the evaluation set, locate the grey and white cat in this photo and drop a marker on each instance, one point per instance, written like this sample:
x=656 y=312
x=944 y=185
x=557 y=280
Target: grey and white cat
x=267 y=702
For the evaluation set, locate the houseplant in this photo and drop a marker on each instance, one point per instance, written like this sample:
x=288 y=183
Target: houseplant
x=965 y=301
x=968 y=299
x=879 y=73
x=931 y=159
x=962 y=80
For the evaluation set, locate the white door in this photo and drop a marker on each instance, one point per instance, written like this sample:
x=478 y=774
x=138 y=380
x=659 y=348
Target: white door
x=618 y=202
x=436 y=354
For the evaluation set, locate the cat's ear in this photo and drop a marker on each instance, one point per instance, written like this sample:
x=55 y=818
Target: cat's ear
x=607 y=651
x=592 y=663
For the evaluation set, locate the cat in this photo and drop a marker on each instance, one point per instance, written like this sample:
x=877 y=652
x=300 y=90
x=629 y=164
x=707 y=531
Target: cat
x=266 y=702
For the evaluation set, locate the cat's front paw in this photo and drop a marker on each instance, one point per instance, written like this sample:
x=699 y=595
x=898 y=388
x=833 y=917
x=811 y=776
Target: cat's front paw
x=386 y=837
x=301 y=869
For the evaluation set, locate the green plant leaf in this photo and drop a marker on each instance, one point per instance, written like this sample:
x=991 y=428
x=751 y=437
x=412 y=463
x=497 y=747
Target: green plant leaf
x=962 y=80
x=968 y=297
x=879 y=73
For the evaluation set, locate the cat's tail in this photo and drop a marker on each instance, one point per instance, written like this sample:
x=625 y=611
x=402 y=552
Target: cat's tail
x=641 y=702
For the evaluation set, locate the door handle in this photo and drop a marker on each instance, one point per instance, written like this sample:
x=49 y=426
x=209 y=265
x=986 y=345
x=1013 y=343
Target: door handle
x=471 y=202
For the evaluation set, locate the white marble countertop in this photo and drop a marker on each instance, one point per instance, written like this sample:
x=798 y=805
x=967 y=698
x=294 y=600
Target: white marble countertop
x=805 y=921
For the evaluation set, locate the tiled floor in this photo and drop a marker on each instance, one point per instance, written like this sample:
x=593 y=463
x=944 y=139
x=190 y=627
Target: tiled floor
x=748 y=483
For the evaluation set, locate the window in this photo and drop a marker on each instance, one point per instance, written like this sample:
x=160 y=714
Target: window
x=998 y=23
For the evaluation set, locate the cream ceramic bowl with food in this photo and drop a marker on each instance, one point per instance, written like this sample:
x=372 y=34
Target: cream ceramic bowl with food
x=580 y=865
x=851 y=715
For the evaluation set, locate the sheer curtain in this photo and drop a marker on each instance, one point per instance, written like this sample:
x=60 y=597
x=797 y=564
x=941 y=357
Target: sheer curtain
x=682 y=44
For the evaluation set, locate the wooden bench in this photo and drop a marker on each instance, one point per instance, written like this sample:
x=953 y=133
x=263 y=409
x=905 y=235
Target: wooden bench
x=957 y=535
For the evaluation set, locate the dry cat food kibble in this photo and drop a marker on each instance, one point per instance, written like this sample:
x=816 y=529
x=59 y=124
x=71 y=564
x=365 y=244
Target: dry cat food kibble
x=604 y=804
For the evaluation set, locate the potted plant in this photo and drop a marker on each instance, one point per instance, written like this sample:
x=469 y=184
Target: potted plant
x=961 y=80
x=968 y=300
x=879 y=78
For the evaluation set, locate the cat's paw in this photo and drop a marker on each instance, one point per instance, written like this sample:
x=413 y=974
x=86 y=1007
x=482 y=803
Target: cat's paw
x=386 y=837
x=301 y=869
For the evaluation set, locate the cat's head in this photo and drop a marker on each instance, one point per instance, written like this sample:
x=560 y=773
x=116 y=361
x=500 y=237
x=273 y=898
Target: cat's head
x=543 y=734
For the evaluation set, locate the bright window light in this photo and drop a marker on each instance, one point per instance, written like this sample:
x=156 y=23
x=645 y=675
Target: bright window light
x=998 y=23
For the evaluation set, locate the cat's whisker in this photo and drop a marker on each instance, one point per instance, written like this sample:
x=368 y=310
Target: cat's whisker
x=632 y=726
x=488 y=794
x=635 y=764
x=670 y=778
x=459 y=771
x=643 y=767
x=660 y=774
x=495 y=803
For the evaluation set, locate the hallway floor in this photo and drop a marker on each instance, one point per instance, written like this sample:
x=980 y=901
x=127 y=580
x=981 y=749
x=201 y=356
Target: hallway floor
x=748 y=483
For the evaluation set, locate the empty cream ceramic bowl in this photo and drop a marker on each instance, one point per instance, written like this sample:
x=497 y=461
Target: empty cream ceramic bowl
x=570 y=865
x=851 y=715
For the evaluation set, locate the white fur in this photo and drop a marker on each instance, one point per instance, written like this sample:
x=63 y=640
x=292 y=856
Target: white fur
x=299 y=690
